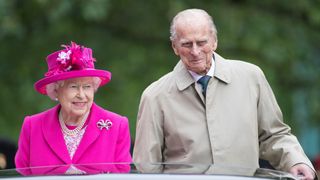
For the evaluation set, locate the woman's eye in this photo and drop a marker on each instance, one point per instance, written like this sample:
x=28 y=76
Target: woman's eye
x=73 y=86
x=87 y=86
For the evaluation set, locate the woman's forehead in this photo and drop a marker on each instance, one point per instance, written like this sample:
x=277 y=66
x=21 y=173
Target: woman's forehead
x=80 y=80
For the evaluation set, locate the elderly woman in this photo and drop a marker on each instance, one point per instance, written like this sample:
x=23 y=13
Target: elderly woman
x=76 y=134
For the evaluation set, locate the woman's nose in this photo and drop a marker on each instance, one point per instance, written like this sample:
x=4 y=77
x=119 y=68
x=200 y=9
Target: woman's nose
x=80 y=92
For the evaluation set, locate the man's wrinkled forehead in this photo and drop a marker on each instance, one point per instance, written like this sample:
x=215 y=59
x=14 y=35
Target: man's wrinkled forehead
x=187 y=17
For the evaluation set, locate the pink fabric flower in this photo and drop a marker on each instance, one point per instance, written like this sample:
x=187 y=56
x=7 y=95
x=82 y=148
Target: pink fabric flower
x=73 y=57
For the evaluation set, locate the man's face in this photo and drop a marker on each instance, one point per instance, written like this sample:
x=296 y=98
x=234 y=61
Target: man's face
x=195 y=43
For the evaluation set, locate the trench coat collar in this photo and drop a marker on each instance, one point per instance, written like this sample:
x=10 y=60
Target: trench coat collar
x=54 y=137
x=222 y=71
x=184 y=78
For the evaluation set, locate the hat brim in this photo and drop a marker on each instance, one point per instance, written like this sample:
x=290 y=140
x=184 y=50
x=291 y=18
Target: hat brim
x=105 y=77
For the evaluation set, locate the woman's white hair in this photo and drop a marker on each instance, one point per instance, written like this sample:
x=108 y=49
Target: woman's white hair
x=53 y=87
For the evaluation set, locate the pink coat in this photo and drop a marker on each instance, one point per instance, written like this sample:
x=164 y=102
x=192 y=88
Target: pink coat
x=41 y=143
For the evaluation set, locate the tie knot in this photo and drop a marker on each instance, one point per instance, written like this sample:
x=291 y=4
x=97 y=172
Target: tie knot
x=204 y=83
x=204 y=80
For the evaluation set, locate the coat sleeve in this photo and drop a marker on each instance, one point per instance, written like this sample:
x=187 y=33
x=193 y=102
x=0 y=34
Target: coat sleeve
x=22 y=158
x=123 y=157
x=149 y=142
x=277 y=144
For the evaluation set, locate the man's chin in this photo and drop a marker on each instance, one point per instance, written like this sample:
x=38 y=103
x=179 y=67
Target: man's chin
x=201 y=71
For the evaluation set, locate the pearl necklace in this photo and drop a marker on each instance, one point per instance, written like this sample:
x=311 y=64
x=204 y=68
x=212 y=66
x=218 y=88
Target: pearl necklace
x=74 y=131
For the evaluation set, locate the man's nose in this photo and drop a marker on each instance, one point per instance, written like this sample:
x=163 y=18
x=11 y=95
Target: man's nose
x=195 y=50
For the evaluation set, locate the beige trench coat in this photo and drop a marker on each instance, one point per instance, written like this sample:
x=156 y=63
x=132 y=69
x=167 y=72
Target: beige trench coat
x=238 y=122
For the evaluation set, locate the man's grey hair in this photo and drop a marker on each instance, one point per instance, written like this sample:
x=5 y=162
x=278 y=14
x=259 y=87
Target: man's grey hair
x=53 y=87
x=192 y=13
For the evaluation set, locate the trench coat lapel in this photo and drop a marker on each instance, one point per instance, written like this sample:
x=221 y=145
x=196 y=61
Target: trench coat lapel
x=222 y=75
x=53 y=135
x=91 y=134
x=183 y=77
x=221 y=70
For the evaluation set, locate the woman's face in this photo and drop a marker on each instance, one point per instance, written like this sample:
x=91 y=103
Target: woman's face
x=76 y=96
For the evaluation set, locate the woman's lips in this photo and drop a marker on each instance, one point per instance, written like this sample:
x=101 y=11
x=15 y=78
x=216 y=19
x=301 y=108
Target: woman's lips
x=79 y=104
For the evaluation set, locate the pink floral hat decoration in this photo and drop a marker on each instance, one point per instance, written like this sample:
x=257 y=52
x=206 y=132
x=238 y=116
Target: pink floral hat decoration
x=72 y=62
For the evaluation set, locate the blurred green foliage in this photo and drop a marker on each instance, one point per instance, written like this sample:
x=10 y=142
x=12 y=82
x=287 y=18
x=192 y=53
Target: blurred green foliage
x=131 y=39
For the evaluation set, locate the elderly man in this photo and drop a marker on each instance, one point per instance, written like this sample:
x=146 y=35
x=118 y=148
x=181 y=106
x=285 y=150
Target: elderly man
x=212 y=111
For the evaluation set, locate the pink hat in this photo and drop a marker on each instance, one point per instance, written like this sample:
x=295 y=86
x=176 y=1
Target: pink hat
x=72 y=62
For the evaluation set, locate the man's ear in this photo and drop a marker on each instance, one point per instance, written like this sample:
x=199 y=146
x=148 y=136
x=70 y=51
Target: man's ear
x=215 y=45
x=174 y=47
